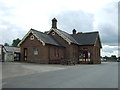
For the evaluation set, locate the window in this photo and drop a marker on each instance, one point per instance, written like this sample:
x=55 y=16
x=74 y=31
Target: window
x=53 y=33
x=35 y=51
x=88 y=54
x=31 y=37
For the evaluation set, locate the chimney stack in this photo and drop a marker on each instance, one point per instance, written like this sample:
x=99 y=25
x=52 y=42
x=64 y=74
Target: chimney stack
x=74 y=31
x=54 y=23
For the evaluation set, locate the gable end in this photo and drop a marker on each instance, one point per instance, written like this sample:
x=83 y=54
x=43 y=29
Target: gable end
x=98 y=40
x=43 y=43
x=61 y=35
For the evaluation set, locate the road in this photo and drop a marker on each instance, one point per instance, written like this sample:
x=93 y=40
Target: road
x=103 y=75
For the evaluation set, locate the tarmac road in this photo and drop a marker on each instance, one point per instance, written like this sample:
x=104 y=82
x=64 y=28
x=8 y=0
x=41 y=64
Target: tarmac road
x=103 y=75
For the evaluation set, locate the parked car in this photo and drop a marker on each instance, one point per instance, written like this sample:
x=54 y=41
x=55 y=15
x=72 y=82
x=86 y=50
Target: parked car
x=104 y=60
x=118 y=60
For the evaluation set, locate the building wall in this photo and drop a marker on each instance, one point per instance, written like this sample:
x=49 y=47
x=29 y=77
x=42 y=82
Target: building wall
x=4 y=54
x=89 y=49
x=60 y=39
x=42 y=56
x=94 y=52
x=73 y=49
x=46 y=54
x=9 y=56
x=70 y=50
x=97 y=52
x=55 y=54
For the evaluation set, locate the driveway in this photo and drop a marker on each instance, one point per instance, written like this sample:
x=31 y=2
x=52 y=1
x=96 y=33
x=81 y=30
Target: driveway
x=14 y=69
x=27 y=75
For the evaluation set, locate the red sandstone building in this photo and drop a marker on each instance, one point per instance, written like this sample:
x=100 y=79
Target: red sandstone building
x=55 y=45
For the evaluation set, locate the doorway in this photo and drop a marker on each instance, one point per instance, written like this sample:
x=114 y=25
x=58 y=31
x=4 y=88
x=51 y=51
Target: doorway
x=25 y=54
x=84 y=56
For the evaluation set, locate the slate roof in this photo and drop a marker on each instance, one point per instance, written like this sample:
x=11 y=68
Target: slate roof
x=11 y=49
x=86 y=38
x=48 y=39
x=67 y=36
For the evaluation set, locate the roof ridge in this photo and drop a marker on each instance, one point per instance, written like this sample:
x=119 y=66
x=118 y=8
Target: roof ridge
x=69 y=37
x=87 y=32
x=62 y=31
x=11 y=46
x=37 y=31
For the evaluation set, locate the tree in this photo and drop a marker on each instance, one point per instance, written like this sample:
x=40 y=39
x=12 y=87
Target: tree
x=113 y=57
x=6 y=44
x=15 y=42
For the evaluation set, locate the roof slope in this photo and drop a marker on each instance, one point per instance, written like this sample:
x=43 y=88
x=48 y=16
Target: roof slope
x=12 y=49
x=86 y=38
x=48 y=39
x=78 y=39
x=68 y=36
x=64 y=35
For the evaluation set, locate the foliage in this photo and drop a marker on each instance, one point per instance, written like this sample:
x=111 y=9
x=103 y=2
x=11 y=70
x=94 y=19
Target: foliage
x=15 y=42
x=113 y=57
x=6 y=44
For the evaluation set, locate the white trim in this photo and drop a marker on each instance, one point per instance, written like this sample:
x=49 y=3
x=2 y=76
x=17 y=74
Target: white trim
x=65 y=38
x=96 y=41
x=24 y=37
x=28 y=35
x=38 y=38
x=32 y=37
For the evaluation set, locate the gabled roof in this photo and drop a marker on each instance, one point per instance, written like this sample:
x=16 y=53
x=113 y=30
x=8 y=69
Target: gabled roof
x=47 y=39
x=43 y=38
x=86 y=38
x=67 y=37
x=11 y=49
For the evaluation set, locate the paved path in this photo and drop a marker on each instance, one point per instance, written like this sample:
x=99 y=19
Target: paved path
x=103 y=75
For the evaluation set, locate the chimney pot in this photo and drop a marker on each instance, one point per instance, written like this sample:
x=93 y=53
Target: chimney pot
x=54 y=23
x=74 y=31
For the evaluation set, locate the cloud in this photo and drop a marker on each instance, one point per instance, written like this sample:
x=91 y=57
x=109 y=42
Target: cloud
x=79 y=20
x=106 y=21
x=9 y=31
x=119 y=23
x=109 y=34
x=109 y=50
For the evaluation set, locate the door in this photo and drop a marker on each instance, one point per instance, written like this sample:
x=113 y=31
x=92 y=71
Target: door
x=25 y=54
x=84 y=57
x=3 y=57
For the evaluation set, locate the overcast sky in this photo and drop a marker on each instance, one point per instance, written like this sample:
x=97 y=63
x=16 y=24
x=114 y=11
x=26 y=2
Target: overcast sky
x=18 y=16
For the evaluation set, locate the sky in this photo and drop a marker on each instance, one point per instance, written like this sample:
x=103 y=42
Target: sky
x=17 y=17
